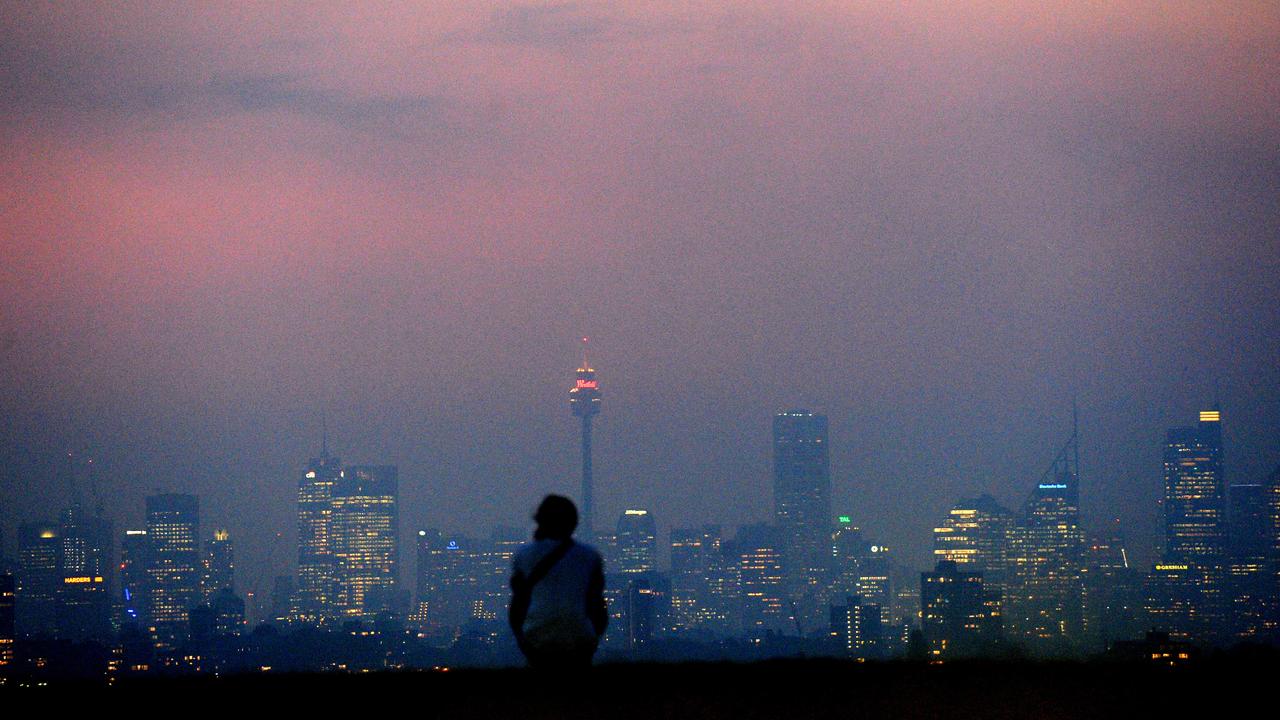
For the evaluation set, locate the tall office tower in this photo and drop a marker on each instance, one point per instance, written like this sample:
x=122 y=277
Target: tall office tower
x=135 y=583
x=875 y=579
x=315 y=545
x=83 y=606
x=495 y=573
x=1043 y=595
x=857 y=630
x=39 y=578
x=1195 y=526
x=173 y=568
x=956 y=612
x=450 y=577
x=636 y=542
x=802 y=508
x=1113 y=604
x=219 y=565
x=584 y=400
x=975 y=532
x=765 y=606
x=8 y=627
x=848 y=553
x=1248 y=582
x=365 y=535
x=698 y=601
x=1271 y=499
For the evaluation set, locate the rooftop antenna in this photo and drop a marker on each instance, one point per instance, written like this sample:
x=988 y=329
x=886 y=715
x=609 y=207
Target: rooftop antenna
x=585 y=365
x=324 y=434
x=71 y=480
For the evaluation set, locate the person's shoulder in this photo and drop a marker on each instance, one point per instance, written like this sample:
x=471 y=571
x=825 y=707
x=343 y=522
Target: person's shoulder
x=527 y=550
x=586 y=549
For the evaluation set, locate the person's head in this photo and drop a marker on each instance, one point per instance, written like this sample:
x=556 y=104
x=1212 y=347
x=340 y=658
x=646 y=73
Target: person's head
x=556 y=518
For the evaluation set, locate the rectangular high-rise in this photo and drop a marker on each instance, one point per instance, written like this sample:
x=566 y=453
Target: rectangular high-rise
x=1195 y=528
x=315 y=543
x=365 y=533
x=173 y=564
x=39 y=578
x=802 y=508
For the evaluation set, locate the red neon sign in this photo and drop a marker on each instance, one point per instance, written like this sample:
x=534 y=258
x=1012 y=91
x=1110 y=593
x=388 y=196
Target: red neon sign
x=588 y=384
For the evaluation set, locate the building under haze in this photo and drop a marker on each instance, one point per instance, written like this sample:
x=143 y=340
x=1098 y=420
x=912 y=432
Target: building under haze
x=315 y=585
x=802 y=509
x=39 y=578
x=219 y=565
x=765 y=607
x=1044 y=604
x=86 y=547
x=364 y=531
x=173 y=564
x=135 y=581
x=1195 y=533
x=959 y=617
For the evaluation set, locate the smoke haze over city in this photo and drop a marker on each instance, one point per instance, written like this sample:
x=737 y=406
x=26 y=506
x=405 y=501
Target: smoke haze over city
x=938 y=225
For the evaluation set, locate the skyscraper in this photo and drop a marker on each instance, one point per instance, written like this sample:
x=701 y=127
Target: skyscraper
x=219 y=565
x=1043 y=596
x=84 y=596
x=39 y=578
x=584 y=400
x=365 y=535
x=975 y=536
x=765 y=606
x=636 y=542
x=802 y=508
x=698 y=593
x=8 y=628
x=956 y=611
x=1248 y=584
x=135 y=582
x=315 y=544
x=173 y=569
x=1195 y=527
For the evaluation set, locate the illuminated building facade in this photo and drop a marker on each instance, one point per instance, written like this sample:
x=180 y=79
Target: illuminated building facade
x=701 y=592
x=584 y=400
x=39 y=578
x=958 y=615
x=365 y=538
x=857 y=629
x=1195 y=528
x=1249 y=584
x=173 y=564
x=8 y=618
x=848 y=551
x=219 y=565
x=764 y=604
x=1044 y=604
x=875 y=579
x=802 y=508
x=135 y=583
x=1271 y=500
x=636 y=542
x=315 y=587
x=976 y=533
x=84 y=595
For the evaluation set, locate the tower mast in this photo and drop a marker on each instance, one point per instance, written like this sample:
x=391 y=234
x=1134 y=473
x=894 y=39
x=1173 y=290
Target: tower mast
x=584 y=400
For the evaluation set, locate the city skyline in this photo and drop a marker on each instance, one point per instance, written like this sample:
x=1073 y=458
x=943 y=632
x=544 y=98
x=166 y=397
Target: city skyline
x=293 y=298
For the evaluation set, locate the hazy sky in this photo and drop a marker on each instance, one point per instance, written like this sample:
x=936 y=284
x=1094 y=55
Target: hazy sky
x=935 y=222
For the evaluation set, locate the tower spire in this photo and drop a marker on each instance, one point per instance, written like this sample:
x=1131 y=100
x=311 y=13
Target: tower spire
x=585 y=365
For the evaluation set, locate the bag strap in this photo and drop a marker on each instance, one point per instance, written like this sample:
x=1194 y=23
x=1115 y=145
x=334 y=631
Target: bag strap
x=547 y=562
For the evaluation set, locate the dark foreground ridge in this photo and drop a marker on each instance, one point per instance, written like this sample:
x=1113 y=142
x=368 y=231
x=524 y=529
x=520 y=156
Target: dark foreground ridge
x=772 y=689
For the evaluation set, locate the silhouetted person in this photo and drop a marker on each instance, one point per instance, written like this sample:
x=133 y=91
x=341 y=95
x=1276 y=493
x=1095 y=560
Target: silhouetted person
x=557 y=591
